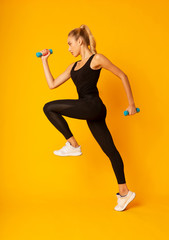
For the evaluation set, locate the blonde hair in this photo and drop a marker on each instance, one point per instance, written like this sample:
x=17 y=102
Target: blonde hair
x=84 y=32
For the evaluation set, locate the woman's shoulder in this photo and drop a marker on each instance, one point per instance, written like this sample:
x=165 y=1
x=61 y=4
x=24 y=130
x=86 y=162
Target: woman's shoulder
x=98 y=59
x=99 y=56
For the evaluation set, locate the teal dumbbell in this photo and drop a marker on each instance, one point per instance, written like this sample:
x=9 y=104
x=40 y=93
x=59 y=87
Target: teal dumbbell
x=39 y=54
x=126 y=112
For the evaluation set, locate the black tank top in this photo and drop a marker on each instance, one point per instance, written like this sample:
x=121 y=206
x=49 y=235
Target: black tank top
x=85 y=79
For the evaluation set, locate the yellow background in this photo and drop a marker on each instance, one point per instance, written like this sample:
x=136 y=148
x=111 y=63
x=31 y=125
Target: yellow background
x=44 y=196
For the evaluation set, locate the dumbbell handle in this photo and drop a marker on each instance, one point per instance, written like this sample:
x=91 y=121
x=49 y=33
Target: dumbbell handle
x=126 y=112
x=39 y=54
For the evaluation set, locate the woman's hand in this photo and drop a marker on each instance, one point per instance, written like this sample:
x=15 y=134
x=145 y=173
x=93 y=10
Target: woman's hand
x=47 y=52
x=131 y=109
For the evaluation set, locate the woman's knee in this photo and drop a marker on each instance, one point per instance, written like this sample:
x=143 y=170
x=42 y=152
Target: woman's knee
x=46 y=107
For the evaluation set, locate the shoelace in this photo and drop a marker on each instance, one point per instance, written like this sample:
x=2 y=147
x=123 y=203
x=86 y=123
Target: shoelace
x=66 y=148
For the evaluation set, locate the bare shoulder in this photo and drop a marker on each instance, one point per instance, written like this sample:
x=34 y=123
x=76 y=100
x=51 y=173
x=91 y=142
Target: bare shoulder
x=95 y=64
x=100 y=57
x=70 y=67
x=99 y=60
x=63 y=77
x=104 y=62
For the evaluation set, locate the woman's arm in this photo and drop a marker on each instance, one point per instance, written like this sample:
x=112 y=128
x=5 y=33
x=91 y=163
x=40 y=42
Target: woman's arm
x=54 y=83
x=48 y=74
x=107 y=64
x=127 y=88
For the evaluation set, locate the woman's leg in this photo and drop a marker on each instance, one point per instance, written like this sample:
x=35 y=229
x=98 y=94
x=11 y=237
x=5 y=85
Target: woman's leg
x=74 y=108
x=80 y=109
x=57 y=120
x=73 y=142
x=102 y=135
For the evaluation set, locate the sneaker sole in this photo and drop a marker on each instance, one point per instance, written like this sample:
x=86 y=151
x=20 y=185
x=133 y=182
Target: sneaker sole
x=72 y=154
x=129 y=200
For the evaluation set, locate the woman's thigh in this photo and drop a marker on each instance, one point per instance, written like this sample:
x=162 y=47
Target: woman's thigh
x=77 y=108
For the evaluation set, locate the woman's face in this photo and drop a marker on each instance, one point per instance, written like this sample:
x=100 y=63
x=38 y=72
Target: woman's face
x=74 y=47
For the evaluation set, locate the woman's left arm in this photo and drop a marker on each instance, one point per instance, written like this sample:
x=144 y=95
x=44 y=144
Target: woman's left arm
x=107 y=64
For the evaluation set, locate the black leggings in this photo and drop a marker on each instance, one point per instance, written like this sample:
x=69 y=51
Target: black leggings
x=94 y=112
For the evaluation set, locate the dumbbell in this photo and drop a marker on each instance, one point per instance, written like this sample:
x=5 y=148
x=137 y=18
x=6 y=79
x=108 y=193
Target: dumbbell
x=127 y=112
x=39 y=54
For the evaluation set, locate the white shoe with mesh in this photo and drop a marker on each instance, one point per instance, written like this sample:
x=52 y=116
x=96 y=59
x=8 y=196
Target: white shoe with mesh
x=68 y=150
x=123 y=201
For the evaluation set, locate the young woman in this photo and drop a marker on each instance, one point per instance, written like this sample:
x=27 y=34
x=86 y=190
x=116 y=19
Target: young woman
x=89 y=106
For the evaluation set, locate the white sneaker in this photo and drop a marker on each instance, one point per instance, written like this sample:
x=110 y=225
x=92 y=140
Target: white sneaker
x=123 y=201
x=68 y=150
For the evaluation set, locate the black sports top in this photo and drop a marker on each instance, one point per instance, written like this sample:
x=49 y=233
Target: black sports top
x=85 y=79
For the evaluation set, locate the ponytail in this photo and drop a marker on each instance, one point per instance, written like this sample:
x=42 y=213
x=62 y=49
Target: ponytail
x=86 y=34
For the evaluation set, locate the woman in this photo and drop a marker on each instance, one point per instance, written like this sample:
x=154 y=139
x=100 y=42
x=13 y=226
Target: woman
x=89 y=106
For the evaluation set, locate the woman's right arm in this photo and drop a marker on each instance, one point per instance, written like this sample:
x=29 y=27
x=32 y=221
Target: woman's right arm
x=54 y=83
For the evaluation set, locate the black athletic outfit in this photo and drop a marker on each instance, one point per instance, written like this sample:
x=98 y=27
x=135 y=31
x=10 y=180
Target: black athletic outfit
x=89 y=107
